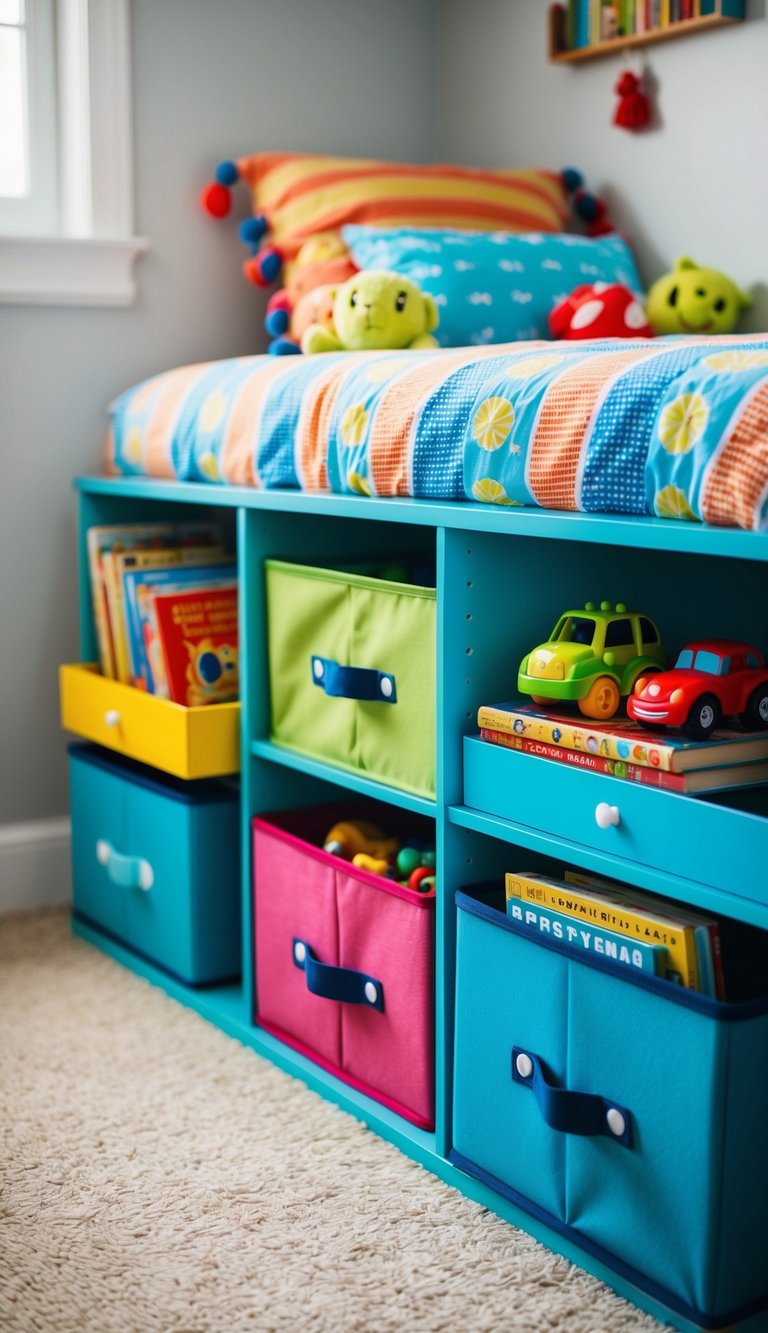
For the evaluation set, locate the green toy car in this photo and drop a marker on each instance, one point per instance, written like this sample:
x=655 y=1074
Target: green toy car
x=594 y=657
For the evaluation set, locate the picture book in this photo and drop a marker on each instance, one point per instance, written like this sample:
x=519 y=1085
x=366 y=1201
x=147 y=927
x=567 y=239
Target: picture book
x=637 y=954
x=103 y=541
x=613 y=908
x=163 y=557
x=197 y=633
x=140 y=587
x=623 y=739
x=706 y=932
x=721 y=778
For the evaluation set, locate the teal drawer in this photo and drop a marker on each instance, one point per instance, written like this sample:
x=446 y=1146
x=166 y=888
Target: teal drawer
x=705 y=840
x=637 y=1127
x=155 y=862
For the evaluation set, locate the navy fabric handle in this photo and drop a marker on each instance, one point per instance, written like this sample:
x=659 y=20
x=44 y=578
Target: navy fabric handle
x=337 y=983
x=349 y=682
x=571 y=1112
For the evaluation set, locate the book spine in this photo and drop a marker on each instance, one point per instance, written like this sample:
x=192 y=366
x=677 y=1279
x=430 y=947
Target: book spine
x=572 y=736
x=582 y=23
x=584 y=904
x=594 y=763
x=604 y=943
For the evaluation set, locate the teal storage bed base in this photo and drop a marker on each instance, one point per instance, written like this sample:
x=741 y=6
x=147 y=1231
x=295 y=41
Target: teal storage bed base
x=502 y=577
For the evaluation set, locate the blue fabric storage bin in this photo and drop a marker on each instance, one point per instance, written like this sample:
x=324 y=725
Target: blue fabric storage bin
x=156 y=863
x=677 y=1202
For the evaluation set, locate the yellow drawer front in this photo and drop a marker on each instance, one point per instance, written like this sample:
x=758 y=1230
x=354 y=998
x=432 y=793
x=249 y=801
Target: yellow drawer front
x=188 y=742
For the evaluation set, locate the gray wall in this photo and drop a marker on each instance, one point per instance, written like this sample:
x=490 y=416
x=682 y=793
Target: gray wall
x=211 y=80
x=696 y=184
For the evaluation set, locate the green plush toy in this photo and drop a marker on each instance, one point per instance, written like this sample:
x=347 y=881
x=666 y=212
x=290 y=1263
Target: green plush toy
x=692 y=299
x=376 y=309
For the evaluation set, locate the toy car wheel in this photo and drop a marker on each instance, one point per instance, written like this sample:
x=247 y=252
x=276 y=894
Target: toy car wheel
x=602 y=699
x=756 y=712
x=540 y=699
x=703 y=718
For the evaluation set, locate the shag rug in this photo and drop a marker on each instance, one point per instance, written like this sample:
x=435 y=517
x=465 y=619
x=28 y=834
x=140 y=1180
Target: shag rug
x=156 y=1175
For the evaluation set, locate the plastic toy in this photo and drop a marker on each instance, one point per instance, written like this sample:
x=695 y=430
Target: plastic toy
x=353 y=836
x=374 y=865
x=711 y=679
x=692 y=299
x=602 y=310
x=376 y=309
x=594 y=656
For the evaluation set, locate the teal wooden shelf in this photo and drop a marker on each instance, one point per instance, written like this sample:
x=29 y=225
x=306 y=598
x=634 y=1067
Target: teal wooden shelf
x=349 y=778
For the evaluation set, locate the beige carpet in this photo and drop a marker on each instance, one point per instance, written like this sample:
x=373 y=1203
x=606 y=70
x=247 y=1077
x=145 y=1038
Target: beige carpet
x=156 y=1175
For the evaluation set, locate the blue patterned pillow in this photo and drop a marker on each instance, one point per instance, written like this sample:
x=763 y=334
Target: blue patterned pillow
x=493 y=287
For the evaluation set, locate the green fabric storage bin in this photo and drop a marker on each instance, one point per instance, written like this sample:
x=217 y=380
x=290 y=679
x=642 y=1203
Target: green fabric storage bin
x=352 y=672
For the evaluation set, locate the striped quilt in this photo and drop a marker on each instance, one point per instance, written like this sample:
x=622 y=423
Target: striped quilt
x=676 y=428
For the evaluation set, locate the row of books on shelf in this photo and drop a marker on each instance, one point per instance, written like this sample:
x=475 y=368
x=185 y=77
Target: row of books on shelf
x=625 y=927
x=627 y=751
x=165 y=609
x=587 y=22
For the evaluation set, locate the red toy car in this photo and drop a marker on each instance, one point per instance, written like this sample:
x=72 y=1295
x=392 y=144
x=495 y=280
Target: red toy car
x=711 y=679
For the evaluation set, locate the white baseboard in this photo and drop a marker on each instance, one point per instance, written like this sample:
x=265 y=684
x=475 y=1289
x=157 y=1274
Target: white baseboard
x=35 y=868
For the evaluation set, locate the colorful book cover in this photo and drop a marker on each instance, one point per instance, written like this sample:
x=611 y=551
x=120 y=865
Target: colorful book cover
x=160 y=558
x=722 y=777
x=103 y=542
x=632 y=914
x=636 y=954
x=140 y=587
x=582 y=23
x=197 y=633
x=706 y=932
x=624 y=739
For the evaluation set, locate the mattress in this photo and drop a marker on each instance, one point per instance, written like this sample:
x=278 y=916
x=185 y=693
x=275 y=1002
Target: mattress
x=672 y=427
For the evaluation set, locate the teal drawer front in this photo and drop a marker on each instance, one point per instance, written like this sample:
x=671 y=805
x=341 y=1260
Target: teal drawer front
x=680 y=1199
x=155 y=862
x=708 y=841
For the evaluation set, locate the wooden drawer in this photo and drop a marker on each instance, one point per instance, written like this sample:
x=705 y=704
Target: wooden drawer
x=712 y=842
x=188 y=742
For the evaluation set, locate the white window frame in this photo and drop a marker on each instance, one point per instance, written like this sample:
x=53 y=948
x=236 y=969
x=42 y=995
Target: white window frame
x=89 y=259
x=37 y=211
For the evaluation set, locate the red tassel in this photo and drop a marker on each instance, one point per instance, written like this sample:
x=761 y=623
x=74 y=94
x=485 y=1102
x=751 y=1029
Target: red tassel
x=634 y=110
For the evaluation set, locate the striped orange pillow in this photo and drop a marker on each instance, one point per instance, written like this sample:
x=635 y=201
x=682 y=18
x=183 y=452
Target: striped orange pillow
x=301 y=194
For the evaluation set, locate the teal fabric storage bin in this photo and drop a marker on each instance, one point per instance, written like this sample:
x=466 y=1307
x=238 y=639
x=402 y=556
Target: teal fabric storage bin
x=625 y=1112
x=352 y=672
x=156 y=864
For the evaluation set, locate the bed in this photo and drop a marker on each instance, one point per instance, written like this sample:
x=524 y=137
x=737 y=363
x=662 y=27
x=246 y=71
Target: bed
x=672 y=427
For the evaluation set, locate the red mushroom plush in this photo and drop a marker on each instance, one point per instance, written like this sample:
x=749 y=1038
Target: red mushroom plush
x=602 y=310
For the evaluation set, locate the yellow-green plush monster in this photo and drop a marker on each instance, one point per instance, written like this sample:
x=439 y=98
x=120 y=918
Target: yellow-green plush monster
x=376 y=309
x=692 y=299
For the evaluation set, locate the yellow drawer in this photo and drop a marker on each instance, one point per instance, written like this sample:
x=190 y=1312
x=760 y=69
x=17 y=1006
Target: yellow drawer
x=188 y=742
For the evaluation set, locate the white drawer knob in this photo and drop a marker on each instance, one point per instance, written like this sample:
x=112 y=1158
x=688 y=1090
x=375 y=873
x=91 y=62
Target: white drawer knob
x=606 y=815
x=112 y=718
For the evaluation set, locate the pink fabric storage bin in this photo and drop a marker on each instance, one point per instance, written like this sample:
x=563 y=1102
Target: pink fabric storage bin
x=370 y=937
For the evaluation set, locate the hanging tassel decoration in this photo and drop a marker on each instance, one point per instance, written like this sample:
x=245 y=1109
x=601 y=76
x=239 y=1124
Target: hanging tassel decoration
x=634 y=110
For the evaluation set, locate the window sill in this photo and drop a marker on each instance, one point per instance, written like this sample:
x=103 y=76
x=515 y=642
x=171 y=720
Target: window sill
x=65 y=270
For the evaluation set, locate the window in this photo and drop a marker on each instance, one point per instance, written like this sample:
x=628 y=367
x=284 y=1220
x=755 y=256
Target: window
x=618 y=633
x=28 y=195
x=648 y=631
x=65 y=153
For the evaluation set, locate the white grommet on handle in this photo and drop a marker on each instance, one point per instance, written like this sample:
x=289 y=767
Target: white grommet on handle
x=318 y=668
x=146 y=876
x=103 y=852
x=524 y=1065
x=607 y=815
x=385 y=685
x=299 y=951
x=370 y=992
x=616 y=1122
x=112 y=717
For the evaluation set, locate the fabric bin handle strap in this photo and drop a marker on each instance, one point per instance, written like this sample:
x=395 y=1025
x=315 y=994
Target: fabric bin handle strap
x=337 y=983
x=571 y=1112
x=350 y=682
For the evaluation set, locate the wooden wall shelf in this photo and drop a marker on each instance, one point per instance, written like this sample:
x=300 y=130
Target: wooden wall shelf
x=616 y=45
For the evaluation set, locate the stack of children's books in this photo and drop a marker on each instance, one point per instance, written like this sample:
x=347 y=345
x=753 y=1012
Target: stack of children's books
x=624 y=749
x=165 y=609
x=626 y=927
x=587 y=22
